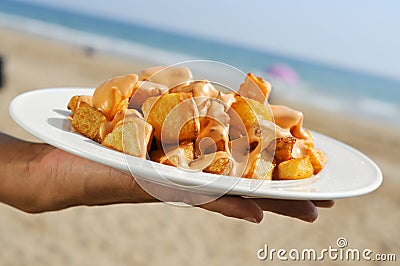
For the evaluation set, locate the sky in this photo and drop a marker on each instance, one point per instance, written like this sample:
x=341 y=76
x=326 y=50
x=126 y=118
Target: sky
x=357 y=34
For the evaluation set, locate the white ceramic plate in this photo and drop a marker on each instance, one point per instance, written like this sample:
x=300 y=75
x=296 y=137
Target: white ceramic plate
x=348 y=173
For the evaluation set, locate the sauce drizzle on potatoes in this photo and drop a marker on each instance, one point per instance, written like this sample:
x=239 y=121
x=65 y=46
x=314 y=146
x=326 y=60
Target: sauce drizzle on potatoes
x=188 y=123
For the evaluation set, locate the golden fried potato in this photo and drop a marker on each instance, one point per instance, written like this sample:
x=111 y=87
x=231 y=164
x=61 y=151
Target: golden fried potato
x=283 y=148
x=318 y=159
x=297 y=168
x=174 y=157
x=144 y=90
x=310 y=140
x=255 y=88
x=168 y=76
x=262 y=168
x=131 y=136
x=174 y=116
x=220 y=166
x=87 y=120
x=219 y=162
x=250 y=111
x=75 y=101
x=113 y=95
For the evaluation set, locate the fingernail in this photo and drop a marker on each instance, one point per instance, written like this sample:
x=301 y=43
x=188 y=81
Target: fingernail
x=251 y=219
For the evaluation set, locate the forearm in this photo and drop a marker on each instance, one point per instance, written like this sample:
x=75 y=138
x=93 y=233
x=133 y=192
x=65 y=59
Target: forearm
x=38 y=177
x=16 y=157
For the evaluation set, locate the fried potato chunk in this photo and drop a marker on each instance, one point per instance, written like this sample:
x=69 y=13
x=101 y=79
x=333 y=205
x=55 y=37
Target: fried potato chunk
x=75 y=101
x=169 y=76
x=283 y=148
x=255 y=88
x=131 y=136
x=262 y=168
x=180 y=156
x=310 y=139
x=87 y=120
x=219 y=162
x=297 y=168
x=114 y=94
x=220 y=166
x=318 y=159
x=144 y=90
x=250 y=112
x=174 y=117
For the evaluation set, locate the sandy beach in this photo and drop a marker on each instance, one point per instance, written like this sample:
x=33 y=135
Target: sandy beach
x=160 y=234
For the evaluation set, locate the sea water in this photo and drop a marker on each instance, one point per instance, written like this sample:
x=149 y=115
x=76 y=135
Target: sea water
x=323 y=86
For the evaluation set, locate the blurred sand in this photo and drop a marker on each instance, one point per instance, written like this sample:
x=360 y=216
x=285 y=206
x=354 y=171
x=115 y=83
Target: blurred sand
x=159 y=234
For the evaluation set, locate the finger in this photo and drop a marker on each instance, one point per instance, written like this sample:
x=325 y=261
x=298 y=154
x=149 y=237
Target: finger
x=231 y=206
x=173 y=194
x=323 y=203
x=236 y=207
x=301 y=209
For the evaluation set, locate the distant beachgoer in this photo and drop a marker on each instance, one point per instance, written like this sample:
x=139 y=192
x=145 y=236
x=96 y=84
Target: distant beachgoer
x=1 y=72
x=89 y=51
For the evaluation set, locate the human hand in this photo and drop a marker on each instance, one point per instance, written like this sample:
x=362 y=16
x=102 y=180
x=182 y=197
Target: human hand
x=39 y=178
